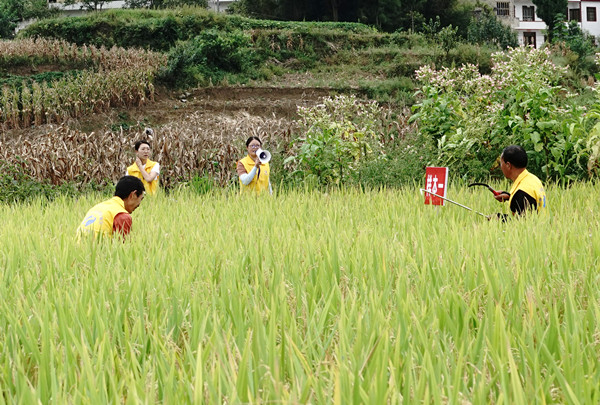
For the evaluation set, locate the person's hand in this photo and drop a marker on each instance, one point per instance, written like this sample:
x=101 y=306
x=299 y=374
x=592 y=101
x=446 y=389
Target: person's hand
x=257 y=163
x=139 y=163
x=503 y=196
x=497 y=217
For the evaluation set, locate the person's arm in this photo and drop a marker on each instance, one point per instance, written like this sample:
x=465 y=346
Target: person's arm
x=522 y=202
x=122 y=223
x=270 y=188
x=245 y=177
x=154 y=173
x=147 y=176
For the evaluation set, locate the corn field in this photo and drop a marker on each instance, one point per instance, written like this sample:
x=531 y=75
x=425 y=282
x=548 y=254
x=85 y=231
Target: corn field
x=342 y=298
x=198 y=144
x=116 y=77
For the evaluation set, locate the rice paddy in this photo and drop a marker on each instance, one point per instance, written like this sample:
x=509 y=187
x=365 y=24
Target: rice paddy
x=304 y=297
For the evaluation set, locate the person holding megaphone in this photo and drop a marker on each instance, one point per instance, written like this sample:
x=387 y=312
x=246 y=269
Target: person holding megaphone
x=254 y=170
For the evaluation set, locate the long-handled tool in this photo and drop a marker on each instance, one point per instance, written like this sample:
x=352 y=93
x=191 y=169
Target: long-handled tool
x=495 y=192
x=453 y=202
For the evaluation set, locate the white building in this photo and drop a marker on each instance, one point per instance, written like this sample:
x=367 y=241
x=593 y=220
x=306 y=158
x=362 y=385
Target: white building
x=522 y=17
x=219 y=5
x=77 y=9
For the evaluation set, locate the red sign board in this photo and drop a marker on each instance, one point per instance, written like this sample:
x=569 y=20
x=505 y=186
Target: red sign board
x=436 y=181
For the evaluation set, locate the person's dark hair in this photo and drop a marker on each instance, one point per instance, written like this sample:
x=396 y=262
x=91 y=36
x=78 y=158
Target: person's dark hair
x=515 y=155
x=140 y=143
x=253 y=138
x=126 y=185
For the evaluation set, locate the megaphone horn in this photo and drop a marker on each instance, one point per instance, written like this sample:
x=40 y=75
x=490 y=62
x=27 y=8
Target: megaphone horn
x=263 y=155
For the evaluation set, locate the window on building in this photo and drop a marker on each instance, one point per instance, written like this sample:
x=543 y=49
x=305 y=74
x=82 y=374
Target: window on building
x=503 y=8
x=574 y=14
x=591 y=13
x=528 y=13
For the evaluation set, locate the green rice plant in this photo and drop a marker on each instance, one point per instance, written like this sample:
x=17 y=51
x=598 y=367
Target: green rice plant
x=304 y=297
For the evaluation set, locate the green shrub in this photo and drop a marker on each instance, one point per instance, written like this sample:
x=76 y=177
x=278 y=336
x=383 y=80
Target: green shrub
x=161 y=29
x=481 y=56
x=207 y=59
x=403 y=163
x=470 y=117
x=17 y=185
x=338 y=136
x=485 y=28
x=577 y=47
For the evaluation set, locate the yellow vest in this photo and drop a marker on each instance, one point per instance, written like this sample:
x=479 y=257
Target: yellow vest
x=260 y=182
x=100 y=218
x=134 y=170
x=530 y=184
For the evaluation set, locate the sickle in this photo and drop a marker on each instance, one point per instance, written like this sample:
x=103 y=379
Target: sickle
x=496 y=193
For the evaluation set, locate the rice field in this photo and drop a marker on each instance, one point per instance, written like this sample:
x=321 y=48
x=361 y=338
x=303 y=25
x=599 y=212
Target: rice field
x=341 y=297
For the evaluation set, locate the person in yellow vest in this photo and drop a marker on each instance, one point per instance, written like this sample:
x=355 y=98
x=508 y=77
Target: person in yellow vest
x=143 y=168
x=254 y=175
x=527 y=192
x=114 y=215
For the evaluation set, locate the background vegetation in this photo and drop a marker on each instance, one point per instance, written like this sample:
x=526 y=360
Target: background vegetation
x=452 y=126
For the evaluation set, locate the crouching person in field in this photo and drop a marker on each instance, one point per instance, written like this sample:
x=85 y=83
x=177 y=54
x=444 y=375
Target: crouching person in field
x=114 y=215
x=527 y=192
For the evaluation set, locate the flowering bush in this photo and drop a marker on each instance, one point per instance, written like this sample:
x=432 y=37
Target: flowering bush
x=338 y=135
x=471 y=117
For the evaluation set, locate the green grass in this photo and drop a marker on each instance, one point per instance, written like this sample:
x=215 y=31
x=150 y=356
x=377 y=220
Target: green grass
x=48 y=77
x=341 y=297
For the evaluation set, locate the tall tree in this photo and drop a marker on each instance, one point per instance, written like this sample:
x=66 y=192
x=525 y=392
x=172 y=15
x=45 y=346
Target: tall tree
x=268 y=9
x=390 y=15
x=548 y=10
x=442 y=8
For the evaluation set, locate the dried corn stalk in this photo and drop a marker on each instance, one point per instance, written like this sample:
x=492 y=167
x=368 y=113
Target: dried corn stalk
x=198 y=144
x=116 y=77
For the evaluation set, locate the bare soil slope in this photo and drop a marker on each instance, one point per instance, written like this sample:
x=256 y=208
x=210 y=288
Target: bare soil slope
x=216 y=101
x=168 y=107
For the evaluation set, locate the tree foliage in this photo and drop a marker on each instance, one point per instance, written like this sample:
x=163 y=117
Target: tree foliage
x=486 y=28
x=13 y=11
x=389 y=15
x=548 y=10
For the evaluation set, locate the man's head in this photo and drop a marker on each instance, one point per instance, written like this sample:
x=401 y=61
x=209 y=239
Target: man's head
x=513 y=161
x=130 y=189
x=143 y=149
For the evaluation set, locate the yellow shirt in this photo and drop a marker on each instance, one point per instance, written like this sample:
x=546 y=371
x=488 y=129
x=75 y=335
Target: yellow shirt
x=134 y=170
x=530 y=184
x=260 y=182
x=100 y=218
